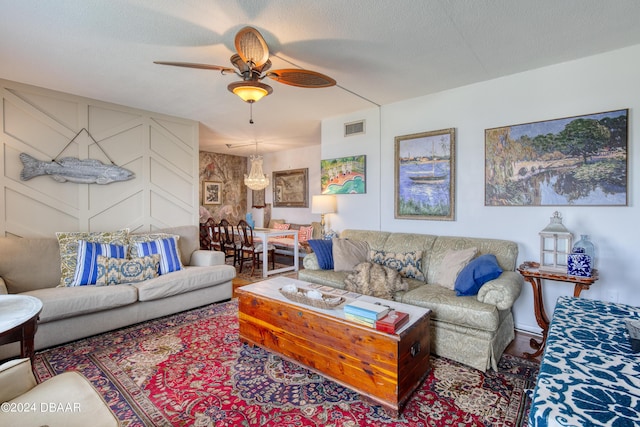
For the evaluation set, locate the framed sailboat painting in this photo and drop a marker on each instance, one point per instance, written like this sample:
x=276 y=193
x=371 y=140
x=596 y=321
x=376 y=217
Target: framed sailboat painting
x=425 y=175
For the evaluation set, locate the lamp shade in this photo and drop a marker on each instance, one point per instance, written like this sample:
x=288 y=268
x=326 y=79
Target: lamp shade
x=323 y=204
x=250 y=91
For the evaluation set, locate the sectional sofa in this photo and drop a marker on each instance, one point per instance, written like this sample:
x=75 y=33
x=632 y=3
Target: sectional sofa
x=32 y=266
x=473 y=329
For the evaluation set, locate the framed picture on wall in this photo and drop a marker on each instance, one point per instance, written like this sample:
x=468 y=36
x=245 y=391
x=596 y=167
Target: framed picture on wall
x=211 y=193
x=257 y=198
x=572 y=161
x=345 y=175
x=425 y=175
x=291 y=188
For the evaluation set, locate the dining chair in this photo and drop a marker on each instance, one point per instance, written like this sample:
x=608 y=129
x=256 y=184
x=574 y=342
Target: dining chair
x=210 y=235
x=250 y=250
x=227 y=240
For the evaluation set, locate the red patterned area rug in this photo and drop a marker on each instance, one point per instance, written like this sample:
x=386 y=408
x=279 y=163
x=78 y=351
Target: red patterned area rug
x=190 y=369
x=257 y=274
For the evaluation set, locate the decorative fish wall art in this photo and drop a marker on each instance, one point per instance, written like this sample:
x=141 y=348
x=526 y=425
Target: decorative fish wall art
x=72 y=169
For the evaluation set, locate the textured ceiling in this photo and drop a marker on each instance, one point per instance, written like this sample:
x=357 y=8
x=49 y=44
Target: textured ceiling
x=379 y=51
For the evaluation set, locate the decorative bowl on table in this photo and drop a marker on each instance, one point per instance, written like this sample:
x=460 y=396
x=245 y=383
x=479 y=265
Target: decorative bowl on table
x=311 y=297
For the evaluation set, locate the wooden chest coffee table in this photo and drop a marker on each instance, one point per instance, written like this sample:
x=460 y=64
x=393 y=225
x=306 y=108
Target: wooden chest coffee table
x=384 y=368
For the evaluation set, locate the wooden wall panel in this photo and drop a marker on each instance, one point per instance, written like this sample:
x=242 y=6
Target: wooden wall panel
x=23 y=211
x=166 y=209
x=32 y=129
x=162 y=151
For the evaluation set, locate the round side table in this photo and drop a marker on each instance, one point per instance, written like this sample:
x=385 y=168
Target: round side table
x=19 y=321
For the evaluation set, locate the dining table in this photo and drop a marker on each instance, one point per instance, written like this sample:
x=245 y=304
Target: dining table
x=264 y=234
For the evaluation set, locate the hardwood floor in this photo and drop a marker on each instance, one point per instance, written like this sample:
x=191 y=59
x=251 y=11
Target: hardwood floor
x=521 y=344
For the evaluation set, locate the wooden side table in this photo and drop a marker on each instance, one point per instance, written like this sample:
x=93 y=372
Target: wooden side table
x=531 y=273
x=19 y=321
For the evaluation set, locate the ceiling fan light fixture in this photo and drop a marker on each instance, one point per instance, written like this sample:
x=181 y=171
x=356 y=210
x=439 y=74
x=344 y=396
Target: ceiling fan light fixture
x=250 y=91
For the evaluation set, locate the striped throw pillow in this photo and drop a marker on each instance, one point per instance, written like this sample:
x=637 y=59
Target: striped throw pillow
x=86 y=272
x=68 y=242
x=168 y=250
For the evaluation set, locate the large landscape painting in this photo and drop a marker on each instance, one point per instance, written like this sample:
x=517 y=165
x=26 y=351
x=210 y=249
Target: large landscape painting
x=579 y=161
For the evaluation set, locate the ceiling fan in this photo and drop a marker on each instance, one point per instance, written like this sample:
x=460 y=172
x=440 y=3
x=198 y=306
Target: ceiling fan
x=252 y=64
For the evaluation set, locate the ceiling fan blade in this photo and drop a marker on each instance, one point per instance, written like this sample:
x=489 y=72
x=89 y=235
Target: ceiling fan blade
x=301 y=78
x=194 y=65
x=251 y=46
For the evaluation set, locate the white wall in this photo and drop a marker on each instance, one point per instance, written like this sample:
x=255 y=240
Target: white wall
x=307 y=157
x=161 y=150
x=600 y=83
x=361 y=211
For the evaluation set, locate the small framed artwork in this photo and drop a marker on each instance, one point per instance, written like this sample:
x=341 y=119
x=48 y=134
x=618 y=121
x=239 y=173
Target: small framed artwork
x=257 y=198
x=291 y=188
x=571 y=161
x=345 y=175
x=425 y=175
x=211 y=193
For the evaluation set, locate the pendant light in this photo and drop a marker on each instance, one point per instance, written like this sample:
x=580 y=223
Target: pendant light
x=256 y=180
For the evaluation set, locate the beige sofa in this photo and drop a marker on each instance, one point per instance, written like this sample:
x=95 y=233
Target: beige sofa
x=32 y=267
x=473 y=330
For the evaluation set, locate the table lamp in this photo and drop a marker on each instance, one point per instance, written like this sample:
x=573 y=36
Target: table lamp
x=323 y=204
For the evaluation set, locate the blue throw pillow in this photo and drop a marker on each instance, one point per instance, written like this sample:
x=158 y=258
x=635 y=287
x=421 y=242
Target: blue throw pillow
x=168 y=250
x=87 y=265
x=324 y=252
x=475 y=274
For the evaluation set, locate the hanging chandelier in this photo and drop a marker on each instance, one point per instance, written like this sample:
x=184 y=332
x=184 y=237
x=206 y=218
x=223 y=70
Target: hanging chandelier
x=256 y=180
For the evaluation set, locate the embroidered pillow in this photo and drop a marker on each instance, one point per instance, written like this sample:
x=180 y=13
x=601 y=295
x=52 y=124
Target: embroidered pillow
x=349 y=253
x=451 y=265
x=87 y=260
x=324 y=252
x=478 y=272
x=408 y=264
x=305 y=234
x=68 y=242
x=114 y=271
x=168 y=251
x=279 y=226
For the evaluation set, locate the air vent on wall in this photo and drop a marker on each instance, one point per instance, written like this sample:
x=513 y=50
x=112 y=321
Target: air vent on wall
x=354 y=128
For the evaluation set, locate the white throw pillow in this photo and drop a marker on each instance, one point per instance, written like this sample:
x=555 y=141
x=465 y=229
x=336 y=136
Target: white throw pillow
x=451 y=265
x=348 y=253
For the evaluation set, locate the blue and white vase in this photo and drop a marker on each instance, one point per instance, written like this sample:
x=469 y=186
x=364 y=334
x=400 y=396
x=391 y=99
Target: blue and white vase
x=587 y=246
x=579 y=263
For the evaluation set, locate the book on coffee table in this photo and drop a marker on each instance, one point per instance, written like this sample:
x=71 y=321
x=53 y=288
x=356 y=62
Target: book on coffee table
x=367 y=310
x=360 y=320
x=392 y=322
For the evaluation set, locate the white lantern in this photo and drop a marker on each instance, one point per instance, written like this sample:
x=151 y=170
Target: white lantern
x=555 y=246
